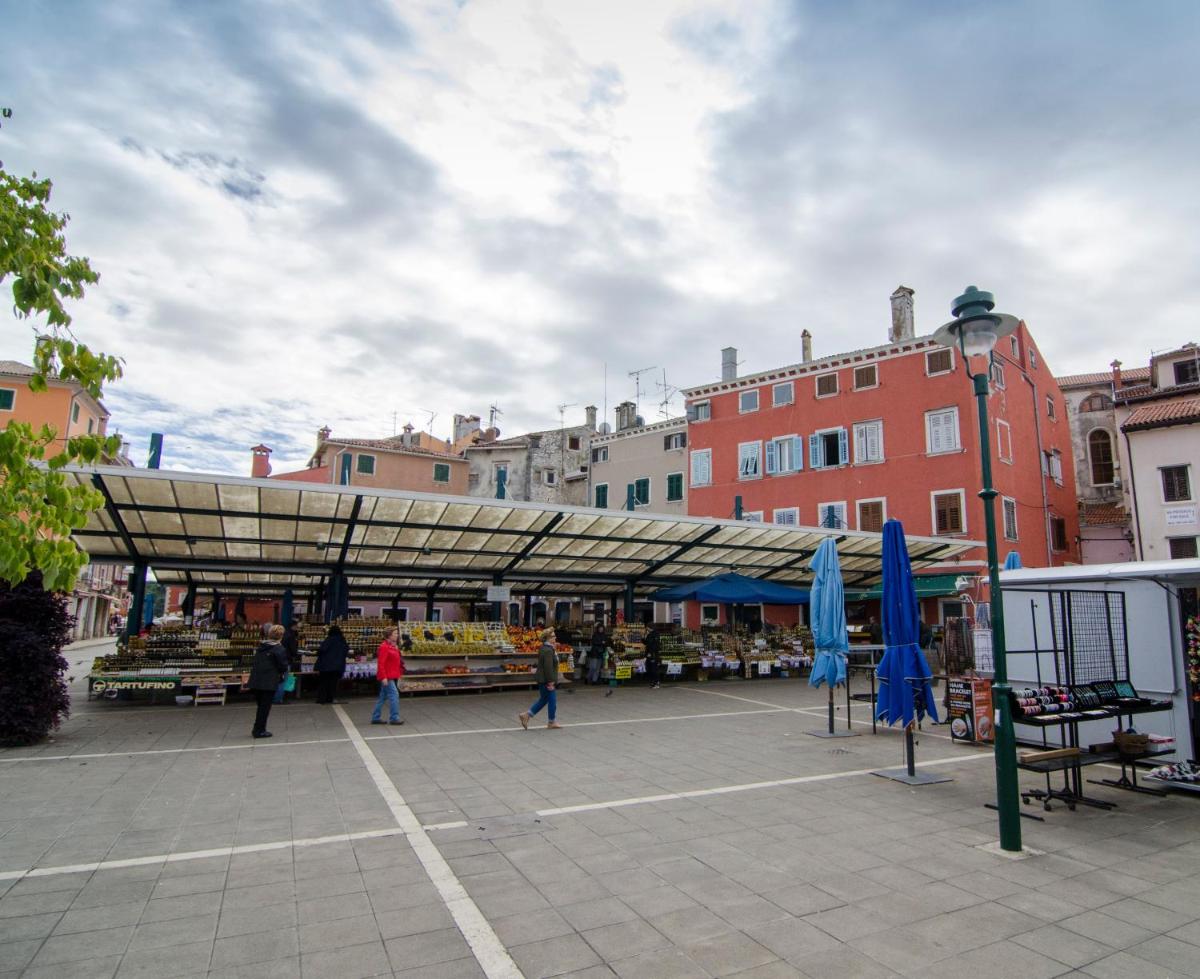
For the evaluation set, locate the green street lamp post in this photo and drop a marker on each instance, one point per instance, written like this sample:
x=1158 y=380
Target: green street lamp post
x=974 y=332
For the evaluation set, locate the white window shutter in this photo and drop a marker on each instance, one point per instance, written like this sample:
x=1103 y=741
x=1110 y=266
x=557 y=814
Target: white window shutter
x=772 y=458
x=814 y=451
x=843 y=447
x=797 y=452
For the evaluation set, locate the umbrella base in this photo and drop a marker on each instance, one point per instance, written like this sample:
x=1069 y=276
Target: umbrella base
x=833 y=734
x=916 y=778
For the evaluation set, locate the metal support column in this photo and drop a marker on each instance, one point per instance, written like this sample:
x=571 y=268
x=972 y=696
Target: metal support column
x=628 y=602
x=737 y=507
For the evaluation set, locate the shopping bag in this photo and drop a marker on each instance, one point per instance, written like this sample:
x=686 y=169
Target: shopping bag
x=289 y=683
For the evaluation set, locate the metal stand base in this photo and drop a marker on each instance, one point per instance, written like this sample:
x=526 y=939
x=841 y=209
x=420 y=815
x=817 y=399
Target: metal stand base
x=916 y=778
x=833 y=734
x=1024 y=815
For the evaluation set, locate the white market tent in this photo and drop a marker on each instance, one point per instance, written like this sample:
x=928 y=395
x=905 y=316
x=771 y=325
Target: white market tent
x=256 y=537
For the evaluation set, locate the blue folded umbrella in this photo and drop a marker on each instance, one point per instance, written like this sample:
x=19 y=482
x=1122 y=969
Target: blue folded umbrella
x=904 y=676
x=1012 y=562
x=828 y=617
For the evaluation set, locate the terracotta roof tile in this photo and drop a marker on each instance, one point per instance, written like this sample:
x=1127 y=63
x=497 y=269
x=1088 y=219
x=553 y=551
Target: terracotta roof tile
x=1134 y=374
x=14 y=367
x=1163 y=414
x=391 y=445
x=1103 y=514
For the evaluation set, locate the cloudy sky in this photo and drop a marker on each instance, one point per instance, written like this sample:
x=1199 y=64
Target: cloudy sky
x=361 y=214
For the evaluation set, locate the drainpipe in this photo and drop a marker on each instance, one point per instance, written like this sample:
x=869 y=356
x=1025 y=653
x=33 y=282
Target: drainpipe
x=1037 y=426
x=1137 y=523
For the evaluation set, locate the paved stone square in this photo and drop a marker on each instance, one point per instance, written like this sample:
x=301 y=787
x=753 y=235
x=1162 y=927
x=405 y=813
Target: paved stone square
x=695 y=830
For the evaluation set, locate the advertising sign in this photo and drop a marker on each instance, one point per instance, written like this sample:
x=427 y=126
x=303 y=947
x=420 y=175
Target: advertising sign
x=970 y=709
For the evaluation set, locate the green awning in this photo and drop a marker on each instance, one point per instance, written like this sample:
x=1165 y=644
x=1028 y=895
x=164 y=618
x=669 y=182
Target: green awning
x=928 y=586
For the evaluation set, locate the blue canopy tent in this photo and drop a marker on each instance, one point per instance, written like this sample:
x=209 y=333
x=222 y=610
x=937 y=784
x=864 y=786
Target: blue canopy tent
x=733 y=589
x=904 y=676
x=828 y=622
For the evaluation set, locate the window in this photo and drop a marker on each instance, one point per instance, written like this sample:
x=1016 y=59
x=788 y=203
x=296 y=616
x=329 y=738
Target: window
x=1032 y=358
x=783 y=394
x=1010 y=518
x=549 y=477
x=1015 y=346
x=75 y=412
x=437 y=615
x=641 y=491
x=710 y=614
x=1003 y=441
x=1050 y=408
x=1187 y=372
x=573 y=443
x=866 y=377
x=871 y=515
x=832 y=515
x=701 y=467
x=749 y=460
x=600 y=454
x=941 y=431
x=1095 y=402
x=939 y=361
x=676 y=440
x=868 y=442
x=788 y=516
x=1176 y=485
x=827 y=385
x=949 y=515
x=1056 y=472
x=1100 y=455
x=785 y=455
x=8 y=398
x=397 y=614
x=748 y=401
x=1182 y=547
x=601 y=502
x=500 y=471
x=674 y=487
x=997 y=375
x=828 y=448
x=701 y=411
x=441 y=472
x=365 y=465
x=1058 y=534
x=91 y=425
x=752 y=516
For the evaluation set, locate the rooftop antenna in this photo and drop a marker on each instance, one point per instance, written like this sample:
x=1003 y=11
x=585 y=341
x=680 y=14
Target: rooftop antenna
x=432 y=415
x=394 y=423
x=668 y=392
x=637 y=385
x=494 y=412
x=604 y=417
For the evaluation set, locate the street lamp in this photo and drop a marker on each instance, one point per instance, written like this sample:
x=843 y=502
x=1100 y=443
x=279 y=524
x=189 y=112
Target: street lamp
x=974 y=331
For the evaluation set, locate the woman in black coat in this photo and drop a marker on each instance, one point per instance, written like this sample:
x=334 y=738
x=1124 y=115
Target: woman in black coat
x=331 y=664
x=268 y=671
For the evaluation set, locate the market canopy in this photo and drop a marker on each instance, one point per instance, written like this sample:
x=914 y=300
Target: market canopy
x=260 y=536
x=733 y=589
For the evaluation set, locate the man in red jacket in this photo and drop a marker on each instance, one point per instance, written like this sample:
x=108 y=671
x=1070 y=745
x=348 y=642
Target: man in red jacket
x=389 y=668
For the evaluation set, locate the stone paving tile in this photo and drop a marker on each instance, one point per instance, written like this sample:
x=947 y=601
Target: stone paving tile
x=723 y=954
x=352 y=961
x=1100 y=927
x=426 y=948
x=667 y=963
x=1000 y=960
x=101 y=967
x=1122 y=965
x=1168 y=953
x=86 y=945
x=174 y=931
x=613 y=942
x=260 y=946
x=554 y=957
x=465 y=968
x=844 y=963
x=177 y=960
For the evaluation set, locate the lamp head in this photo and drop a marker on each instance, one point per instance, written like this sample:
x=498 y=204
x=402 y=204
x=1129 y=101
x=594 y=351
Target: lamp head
x=975 y=328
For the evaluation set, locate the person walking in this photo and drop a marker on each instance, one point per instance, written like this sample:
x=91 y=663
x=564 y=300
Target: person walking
x=291 y=649
x=389 y=668
x=547 y=681
x=267 y=673
x=596 y=653
x=331 y=664
x=653 y=657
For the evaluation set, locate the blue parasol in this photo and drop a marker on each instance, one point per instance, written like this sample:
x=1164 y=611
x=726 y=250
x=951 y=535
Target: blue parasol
x=904 y=676
x=827 y=609
x=1012 y=562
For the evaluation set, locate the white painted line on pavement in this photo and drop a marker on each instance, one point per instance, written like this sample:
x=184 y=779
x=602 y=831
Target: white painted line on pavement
x=489 y=951
x=744 y=787
x=173 y=751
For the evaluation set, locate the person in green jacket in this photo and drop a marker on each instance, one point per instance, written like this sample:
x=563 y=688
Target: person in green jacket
x=547 y=681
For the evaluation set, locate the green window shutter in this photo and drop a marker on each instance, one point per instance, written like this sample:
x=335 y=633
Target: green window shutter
x=641 y=492
x=7 y=399
x=441 y=472
x=674 y=487
x=602 y=496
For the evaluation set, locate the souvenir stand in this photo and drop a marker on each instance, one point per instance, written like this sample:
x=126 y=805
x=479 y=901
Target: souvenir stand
x=1080 y=687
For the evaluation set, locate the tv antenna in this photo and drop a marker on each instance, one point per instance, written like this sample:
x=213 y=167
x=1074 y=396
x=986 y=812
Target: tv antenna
x=562 y=414
x=432 y=415
x=668 y=392
x=637 y=384
x=494 y=412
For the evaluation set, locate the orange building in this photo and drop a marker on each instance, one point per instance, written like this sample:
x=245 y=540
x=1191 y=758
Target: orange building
x=65 y=406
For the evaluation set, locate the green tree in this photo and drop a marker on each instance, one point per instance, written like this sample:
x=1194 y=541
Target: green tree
x=39 y=508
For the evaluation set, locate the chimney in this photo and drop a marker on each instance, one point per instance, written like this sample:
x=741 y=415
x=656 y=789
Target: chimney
x=626 y=415
x=806 y=346
x=323 y=435
x=260 y=467
x=903 y=327
x=591 y=417
x=729 y=364
x=406 y=439
x=1116 y=375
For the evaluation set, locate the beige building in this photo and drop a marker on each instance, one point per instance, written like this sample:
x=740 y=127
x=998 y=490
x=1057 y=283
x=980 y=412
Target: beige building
x=1159 y=450
x=650 y=459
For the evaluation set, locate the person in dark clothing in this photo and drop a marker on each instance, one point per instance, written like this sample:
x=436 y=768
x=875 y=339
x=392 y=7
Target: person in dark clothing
x=547 y=681
x=595 y=658
x=875 y=631
x=267 y=673
x=291 y=649
x=331 y=664
x=653 y=657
